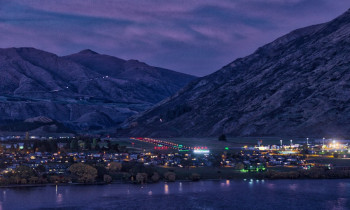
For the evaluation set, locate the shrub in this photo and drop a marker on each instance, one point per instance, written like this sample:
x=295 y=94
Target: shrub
x=155 y=177
x=107 y=178
x=195 y=177
x=83 y=172
x=239 y=166
x=141 y=178
x=170 y=176
x=115 y=166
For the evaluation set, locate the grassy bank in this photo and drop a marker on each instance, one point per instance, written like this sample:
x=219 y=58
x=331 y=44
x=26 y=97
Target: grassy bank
x=206 y=173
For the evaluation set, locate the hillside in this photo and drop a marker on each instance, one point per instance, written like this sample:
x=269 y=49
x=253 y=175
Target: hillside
x=84 y=90
x=298 y=85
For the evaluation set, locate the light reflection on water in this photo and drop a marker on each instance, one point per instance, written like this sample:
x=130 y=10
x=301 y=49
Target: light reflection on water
x=4 y=195
x=293 y=187
x=270 y=186
x=59 y=198
x=225 y=184
x=166 y=188
x=180 y=186
x=226 y=194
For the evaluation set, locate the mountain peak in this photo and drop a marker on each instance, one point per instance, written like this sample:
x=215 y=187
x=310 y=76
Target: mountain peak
x=88 y=52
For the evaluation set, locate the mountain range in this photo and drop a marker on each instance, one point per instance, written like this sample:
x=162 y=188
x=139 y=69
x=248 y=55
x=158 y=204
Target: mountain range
x=297 y=85
x=84 y=91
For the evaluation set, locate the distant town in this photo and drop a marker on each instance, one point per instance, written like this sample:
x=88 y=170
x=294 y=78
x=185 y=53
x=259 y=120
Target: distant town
x=31 y=160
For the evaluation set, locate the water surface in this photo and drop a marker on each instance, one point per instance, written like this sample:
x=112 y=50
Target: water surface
x=227 y=194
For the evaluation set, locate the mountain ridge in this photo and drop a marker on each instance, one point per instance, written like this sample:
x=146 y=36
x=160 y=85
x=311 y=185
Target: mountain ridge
x=293 y=86
x=37 y=83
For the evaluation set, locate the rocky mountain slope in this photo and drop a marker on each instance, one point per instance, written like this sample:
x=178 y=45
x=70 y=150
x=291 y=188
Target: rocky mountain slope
x=298 y=85
x=84 y=90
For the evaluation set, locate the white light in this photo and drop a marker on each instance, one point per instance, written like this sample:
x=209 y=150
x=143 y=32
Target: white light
x=201 y=151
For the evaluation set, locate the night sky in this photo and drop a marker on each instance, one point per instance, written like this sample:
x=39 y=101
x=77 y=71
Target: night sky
x=194 y=37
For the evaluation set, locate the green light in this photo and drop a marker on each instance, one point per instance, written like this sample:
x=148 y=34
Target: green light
x=159 y=145
x=180 y=145
x=183 y=150
x=226 y=148
x=243 y=170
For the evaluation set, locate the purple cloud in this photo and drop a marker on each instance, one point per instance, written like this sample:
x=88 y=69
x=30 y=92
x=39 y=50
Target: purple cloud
x=195 y=37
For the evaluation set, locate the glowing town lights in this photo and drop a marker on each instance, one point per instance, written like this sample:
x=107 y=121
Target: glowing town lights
x=263 y=148
x=201 y=151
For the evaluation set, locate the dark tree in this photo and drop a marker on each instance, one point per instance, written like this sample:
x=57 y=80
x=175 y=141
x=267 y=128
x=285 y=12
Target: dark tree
x=12 y=148
x=101 y=171
x=97 y=147
x=40 y=169
x=88 y=145
x=36 y=145
x=23 y=172
x=74 y=146
x=115 y=147
x=53 y=146
x=222 y=137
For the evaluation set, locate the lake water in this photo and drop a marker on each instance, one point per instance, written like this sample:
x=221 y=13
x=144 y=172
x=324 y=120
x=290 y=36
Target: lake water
x=227 y=194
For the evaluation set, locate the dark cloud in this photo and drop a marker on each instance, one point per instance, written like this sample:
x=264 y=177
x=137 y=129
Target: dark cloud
x=195 y=37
